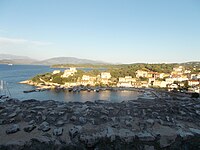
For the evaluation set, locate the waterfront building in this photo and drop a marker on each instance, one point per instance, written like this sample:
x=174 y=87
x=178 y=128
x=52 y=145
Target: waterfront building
x=88 y=80
x=105 y=75
x=56 y=71
x=193 y=82
x=69 y=72
x=127 y=81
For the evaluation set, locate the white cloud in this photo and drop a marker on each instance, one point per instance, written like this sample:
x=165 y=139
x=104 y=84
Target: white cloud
x=18 y=41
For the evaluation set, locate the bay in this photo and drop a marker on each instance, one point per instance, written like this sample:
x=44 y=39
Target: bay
x=16 y=73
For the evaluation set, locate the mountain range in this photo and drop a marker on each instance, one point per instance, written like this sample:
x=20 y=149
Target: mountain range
x=14 y=59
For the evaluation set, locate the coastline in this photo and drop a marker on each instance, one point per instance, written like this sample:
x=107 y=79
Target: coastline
x=167 y=122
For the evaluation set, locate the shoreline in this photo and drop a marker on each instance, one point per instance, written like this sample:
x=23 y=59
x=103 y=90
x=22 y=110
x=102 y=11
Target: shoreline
x=166 y=122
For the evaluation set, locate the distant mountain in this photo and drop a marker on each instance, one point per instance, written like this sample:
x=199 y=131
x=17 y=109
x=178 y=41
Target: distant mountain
x=68 y=60
x=14 y=59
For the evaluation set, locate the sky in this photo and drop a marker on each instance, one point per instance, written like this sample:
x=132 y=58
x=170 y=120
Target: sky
x=116 y=31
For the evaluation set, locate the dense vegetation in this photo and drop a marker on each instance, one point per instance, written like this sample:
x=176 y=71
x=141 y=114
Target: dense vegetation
x=115 y=70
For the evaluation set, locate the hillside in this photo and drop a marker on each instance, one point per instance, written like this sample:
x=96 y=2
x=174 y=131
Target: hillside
x=68 y=60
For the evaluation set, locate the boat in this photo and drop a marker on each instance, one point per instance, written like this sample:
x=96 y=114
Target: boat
x=10 y=64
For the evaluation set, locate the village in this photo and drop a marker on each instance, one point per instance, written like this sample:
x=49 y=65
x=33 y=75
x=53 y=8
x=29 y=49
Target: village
x=180 y=79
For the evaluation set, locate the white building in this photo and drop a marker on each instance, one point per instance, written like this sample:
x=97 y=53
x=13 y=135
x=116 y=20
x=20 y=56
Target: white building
x=69 y=72
x=141 y=73
x=126 y=81
x=105 y=75
x=56 y=71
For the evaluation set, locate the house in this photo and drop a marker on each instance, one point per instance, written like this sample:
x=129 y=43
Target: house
x=193 y=82
x=126 y=81
x=88 y=80
x=153 y=75
x=56 y=72
x=161 y=84
x=169 y=80
x=105 y=78
x=69 y=72
x=173 y=86
x=105 y=75
x=141 y=73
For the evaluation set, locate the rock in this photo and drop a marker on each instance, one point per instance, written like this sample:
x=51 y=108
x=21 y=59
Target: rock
x=12 y=115
x=197 y=112
x=2 y=121
x=167 y=118
x=73 y=118
x=58 y=131
x=145 y=136
x=74 y=131
x=110 y=134
x=195 y=131
x=82 y=120
x=184 y=134
x=29 y=128
x=13 y=129
x=60 y=123
x=44 y=126
x=44 y=117
x=128 y=123
x=88 y=140
x=148 y=147
x=150 y=121
x=31 y=122
x=104 y=117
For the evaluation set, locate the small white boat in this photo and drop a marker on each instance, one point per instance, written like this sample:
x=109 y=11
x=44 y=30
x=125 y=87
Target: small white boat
x=10 y=64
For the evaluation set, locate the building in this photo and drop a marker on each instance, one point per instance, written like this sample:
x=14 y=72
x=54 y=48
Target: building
x=69 y=72
x=56 y=72
x=153 y=75
x=169 y=80
x=161 y=84
x=141 y=73
x=193 y=82
x=88 y=80
x=105 y=75
x=127 y=81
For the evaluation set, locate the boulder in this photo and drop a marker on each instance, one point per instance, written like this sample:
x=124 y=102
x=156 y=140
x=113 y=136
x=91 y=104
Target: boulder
x=29 y=128
x=75 y=130
x=58 y=131
x=13 y=129
x=44 y=126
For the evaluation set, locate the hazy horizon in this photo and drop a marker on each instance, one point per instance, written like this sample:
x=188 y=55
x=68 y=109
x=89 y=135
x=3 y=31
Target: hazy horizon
x=113 y=31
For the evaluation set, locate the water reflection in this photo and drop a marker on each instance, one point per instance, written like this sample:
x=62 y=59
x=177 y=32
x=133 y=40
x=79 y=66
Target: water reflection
x=113 y=96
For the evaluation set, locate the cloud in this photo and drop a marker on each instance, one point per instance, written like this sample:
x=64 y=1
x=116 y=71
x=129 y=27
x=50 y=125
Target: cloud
x=18 y=41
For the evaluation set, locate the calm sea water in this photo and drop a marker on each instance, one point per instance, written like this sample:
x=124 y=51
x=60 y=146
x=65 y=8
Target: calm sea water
x=16 y=73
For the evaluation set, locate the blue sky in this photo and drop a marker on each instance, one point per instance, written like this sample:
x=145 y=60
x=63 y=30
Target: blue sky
x=117 y=31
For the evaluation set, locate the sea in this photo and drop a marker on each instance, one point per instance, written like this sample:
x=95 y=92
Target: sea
x=13 y=74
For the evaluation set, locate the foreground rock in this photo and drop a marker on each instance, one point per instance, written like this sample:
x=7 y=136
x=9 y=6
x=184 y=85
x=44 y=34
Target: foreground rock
x=167 y=123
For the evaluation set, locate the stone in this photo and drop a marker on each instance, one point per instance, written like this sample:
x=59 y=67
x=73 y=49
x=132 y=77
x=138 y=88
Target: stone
x=44 y=117
x=58 y=131
x=150 y=121
x=60 y=123
x=13 y=129
x=195 y=131
x=167 y=118
x=145 y=136
x=82 y=120
x=29 y=128
x=128 y=123
x=12 y=115
x=73 y=118
x=31 y=122
x=44 y=126
x=75 y=130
